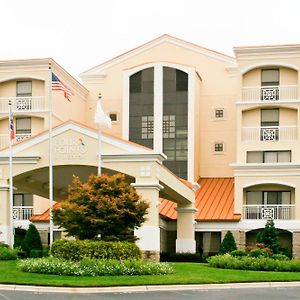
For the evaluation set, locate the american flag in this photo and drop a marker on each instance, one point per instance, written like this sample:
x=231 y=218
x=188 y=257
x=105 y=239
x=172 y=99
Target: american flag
x=57 y=85
x=11 y=126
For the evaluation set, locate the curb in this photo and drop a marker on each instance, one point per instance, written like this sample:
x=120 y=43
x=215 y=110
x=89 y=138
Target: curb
x=146 y=288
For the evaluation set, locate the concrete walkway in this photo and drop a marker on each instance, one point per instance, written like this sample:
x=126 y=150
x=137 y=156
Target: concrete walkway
x=145 y=288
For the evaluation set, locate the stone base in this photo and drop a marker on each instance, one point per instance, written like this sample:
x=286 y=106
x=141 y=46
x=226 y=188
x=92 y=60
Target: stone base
x=151 y=255
x=296 y=244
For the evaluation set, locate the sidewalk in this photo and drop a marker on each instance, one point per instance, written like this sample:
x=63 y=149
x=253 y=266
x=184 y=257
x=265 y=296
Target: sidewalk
x=145 y=288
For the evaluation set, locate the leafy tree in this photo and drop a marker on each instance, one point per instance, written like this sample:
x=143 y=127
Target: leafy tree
x=228 y=244
x=269 y=237
x=32 y=240
x=105 y=205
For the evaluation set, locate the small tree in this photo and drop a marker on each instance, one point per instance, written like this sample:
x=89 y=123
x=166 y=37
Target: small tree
x=106 y=206
x=32 y=240
x=269 y=237
x=228 y=244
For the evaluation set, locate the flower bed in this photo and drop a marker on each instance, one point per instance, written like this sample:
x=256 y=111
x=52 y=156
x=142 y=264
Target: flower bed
x=93 y=267
x=227 y=261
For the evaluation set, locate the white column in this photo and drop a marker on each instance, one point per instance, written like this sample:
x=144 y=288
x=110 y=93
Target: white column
x=4 y=215
x=149 y=233
x=158 y=108
x=125 y=108
x=185 y=242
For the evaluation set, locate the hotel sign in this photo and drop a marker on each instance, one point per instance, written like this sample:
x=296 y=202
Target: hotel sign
x=69 y=148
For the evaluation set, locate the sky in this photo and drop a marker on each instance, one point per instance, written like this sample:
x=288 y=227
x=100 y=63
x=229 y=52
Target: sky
x=80 y=34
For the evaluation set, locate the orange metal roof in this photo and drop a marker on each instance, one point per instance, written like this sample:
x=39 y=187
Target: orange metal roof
x=214 y=201
x=45 y=216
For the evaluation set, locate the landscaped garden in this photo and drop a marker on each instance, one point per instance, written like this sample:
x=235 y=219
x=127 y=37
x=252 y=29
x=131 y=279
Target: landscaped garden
x=109 y=208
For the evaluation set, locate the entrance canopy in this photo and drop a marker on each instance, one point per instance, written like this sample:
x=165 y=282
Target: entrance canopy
x=75 y=152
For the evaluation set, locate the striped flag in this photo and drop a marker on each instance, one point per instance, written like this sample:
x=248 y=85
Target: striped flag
x=11 y=125
x=57 y=85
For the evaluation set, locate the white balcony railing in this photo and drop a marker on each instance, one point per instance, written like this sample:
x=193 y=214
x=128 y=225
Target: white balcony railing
x=22 y=213
x=269 y=93
x=23 y=104
x=270 y=133
x=4 y=139
x=264 y=212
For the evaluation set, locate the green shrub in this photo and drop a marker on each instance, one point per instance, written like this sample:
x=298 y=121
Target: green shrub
x=258 y=253
x=279 y=257
x=78 y=249
x=19 y=236
x=182 y=257
x=238 y=253
x=8 y=253
x=32 y=240
x=287 y=252
x=228 y=244
x=93 y=267
x=256 y=264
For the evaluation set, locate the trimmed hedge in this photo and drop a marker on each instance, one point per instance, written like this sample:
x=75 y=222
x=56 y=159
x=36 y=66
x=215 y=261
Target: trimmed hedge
x=252 y=263
x=80 y=249
x=93 y=267
x=6 y=253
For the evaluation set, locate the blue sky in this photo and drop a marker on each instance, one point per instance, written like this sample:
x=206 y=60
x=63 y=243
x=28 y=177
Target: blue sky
x=80 y=34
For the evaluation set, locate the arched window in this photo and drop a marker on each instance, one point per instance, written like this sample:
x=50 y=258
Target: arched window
x=141 y=107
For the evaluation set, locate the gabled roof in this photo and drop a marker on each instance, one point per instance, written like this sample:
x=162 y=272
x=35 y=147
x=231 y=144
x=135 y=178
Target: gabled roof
x=162 y=39
x=214 y=201
x=125 y=145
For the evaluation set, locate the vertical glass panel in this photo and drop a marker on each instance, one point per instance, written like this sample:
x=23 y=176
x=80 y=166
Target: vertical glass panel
x=175 y=120
x=28 y=200
x=272 y=198
x=284 y=156
x=24 y=88
x=254 y=198
x=18 y=200
x=23 y=125
x=270 y=157
x=270 y=77
x=270 y=117
x=254 y=157
x=141 y=101
x=286 y=198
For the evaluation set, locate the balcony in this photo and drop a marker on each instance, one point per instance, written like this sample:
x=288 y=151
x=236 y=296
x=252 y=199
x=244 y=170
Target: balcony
x=270 y=133
x=4 y=139
x=266 y=94
x=265 y=212
x=23 y=104
x=21 y=213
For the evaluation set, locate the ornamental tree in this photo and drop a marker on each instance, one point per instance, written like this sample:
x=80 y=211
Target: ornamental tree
x=105 y=206
x=228 y=244
x=269 y=237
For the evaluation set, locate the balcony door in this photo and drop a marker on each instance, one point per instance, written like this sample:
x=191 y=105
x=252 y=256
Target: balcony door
x=270 y=84
x=268 y=198
x=269 y=124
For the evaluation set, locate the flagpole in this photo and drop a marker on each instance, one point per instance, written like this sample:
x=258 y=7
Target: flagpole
x=50 y=158
x=99 y=142
x=11 y=193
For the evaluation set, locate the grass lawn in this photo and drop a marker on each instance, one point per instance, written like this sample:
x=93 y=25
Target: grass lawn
x=186 y=273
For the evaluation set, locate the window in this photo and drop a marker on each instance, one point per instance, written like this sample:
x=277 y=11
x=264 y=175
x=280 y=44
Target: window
x=23 y=125
x=268 y=156
x=24 y=89
x=270 y=77
x=219 y=147
x=147 y=127
x=270 y=117
x=169 y=126
x=268 y=197
x=219 y=113
x=113 y=117
x=23 y=200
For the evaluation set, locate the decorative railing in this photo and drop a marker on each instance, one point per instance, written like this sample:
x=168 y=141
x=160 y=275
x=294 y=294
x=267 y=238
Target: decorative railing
x=265 y=212
x=22 y=212
x=4 y=139
x=23 y=104
x=269 y=93
x=270 y=133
